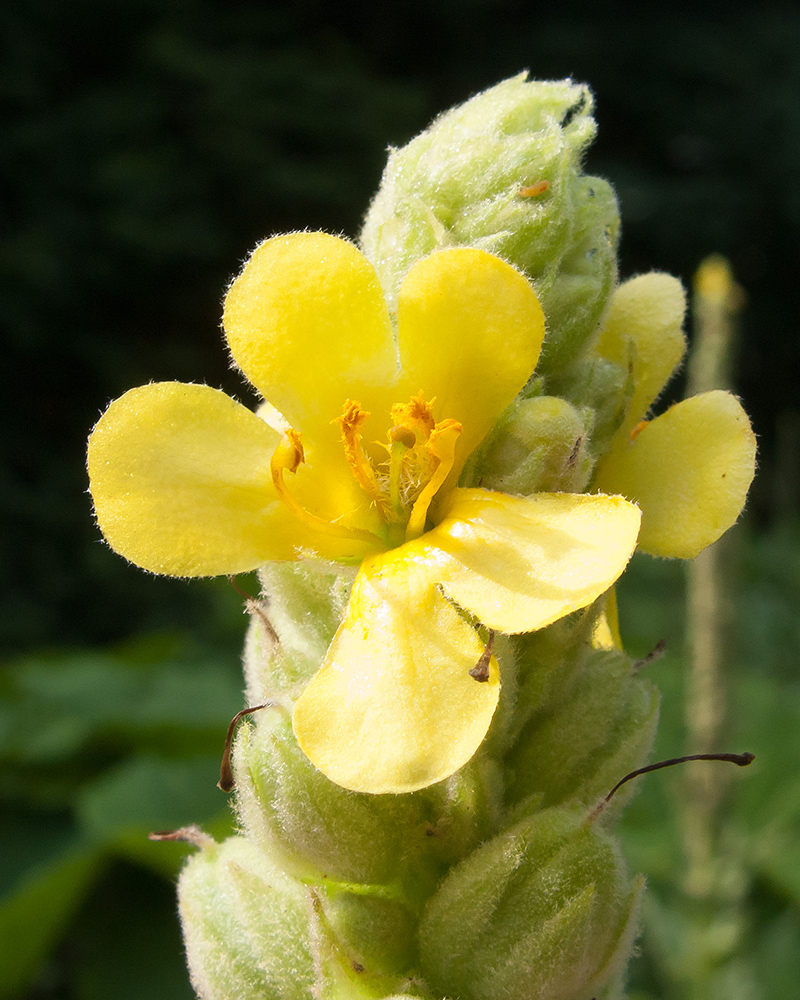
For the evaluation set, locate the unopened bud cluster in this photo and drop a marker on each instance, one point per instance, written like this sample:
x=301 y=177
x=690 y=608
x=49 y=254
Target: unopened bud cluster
x=502 y=880
x=482 y=885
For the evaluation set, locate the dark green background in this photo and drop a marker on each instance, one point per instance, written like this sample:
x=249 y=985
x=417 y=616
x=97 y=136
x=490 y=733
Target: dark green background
x=145 y=148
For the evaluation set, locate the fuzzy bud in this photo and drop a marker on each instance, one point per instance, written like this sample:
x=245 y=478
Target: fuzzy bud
x=539 y=445
x=319 y=830
x=584 y=744
x=543 y=910
x=245 y=925
x=503 y=172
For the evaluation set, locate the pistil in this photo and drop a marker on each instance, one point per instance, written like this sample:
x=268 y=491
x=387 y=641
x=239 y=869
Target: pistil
x=401 y=439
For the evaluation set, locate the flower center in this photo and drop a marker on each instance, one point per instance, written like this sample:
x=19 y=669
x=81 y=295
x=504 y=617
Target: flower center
x=420 y=454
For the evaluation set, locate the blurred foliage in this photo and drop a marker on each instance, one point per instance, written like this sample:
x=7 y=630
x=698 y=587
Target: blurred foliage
x=145 y=148
x=98 y=749
x=756 y=909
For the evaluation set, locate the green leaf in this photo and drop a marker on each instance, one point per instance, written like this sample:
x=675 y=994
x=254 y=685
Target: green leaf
x=62 y=718
x=34 y=916
x=149 y=793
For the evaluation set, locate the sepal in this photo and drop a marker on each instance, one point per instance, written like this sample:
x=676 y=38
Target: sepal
x=585 y=744
x=374 y=934
x=245 y=926
x=548 y=902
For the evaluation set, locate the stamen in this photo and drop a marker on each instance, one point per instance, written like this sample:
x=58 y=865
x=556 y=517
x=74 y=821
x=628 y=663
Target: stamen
x=350 y=421
x=286 y=458
x=402 y=439
x=442 y=447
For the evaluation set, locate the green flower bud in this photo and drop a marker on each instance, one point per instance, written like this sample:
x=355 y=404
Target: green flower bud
x=581 y=747
x=537 y=446
x=602 y=387
x=252 y=931
x=548 y=661
x=245 y=925
x=503 y=172
x=545 y=909
x=292 y=627
x=323 y=832
x=577 y=299
x=379 y=935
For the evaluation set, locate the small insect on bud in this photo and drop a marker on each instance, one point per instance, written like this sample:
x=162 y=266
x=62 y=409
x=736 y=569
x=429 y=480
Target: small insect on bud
x=534 y=190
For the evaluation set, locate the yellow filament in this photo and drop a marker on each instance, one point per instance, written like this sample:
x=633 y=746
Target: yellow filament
x=286 y=458
x=442 y=447
x=350 y=421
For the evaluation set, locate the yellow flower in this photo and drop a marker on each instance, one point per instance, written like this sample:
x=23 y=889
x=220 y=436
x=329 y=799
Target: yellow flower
x=689 y=469
x=357 y=458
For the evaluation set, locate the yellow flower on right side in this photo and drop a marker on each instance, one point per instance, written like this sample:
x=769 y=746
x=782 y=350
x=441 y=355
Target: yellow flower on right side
x=688 y=469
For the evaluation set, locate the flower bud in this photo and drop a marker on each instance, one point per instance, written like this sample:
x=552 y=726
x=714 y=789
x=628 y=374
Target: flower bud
x=582 y=746
x=538 y=446
x=292 y=626
x=319 y=830
x=245 y=925
x=544 y=909
x=548 y=662
x=503 y=172
x=602 y=387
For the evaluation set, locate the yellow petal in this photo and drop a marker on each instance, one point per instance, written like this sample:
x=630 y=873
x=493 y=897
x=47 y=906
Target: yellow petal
x=689 y=470
x=394 y=708
x=646 y=312
x=519 y=563
x=470 y=329
x=307 y=323
x=605 y=634
x=181 y=483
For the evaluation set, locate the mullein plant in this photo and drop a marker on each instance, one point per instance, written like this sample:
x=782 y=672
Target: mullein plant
x=452 y=466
